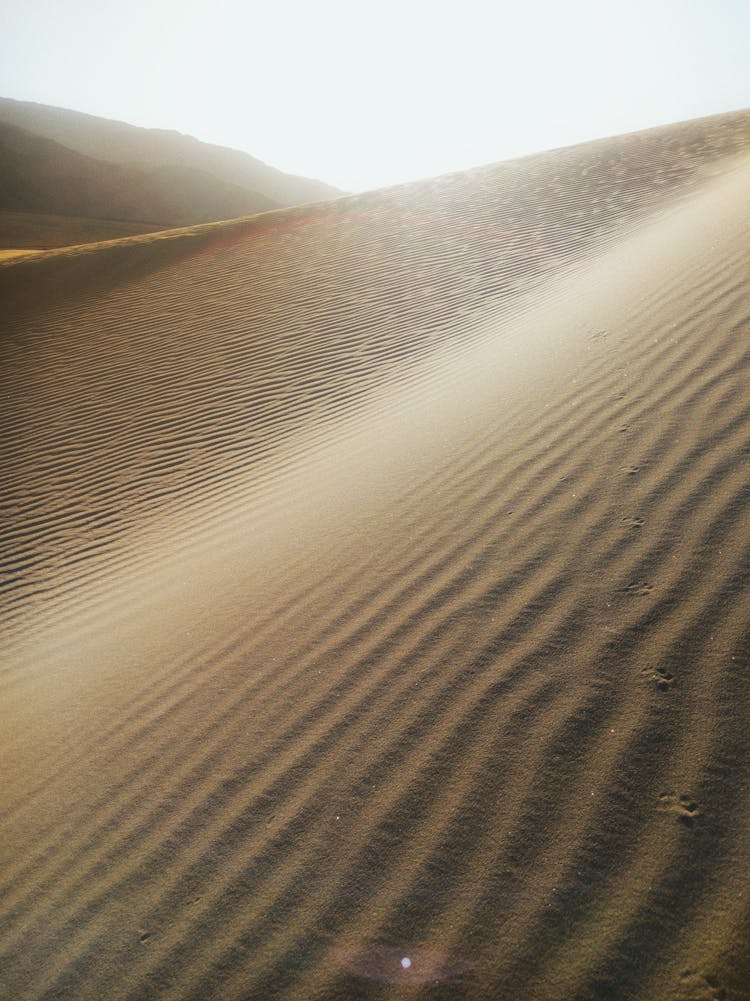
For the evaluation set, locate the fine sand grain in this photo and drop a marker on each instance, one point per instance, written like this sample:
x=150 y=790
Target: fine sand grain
x=374 y=585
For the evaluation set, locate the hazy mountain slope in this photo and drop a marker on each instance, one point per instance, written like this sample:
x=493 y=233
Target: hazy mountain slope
x=128 y=144
x=41 y=175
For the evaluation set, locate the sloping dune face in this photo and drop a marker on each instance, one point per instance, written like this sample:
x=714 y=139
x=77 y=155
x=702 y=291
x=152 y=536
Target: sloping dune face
x=374 y=587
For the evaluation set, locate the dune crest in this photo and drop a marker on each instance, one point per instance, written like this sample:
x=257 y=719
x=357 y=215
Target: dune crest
x=375 y=589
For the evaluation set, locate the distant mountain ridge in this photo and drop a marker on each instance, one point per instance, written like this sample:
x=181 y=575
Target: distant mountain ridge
x=141 y=148
x=39 y=175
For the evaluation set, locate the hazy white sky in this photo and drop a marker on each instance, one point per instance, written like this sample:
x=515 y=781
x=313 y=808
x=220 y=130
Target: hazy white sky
x=363 y=94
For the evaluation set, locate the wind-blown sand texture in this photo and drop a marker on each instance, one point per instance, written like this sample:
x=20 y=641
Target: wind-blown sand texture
x=375 y=593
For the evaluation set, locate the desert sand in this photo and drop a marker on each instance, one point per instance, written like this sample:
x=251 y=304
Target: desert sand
x=375 y=593
x=37 y=231
x=16 y=252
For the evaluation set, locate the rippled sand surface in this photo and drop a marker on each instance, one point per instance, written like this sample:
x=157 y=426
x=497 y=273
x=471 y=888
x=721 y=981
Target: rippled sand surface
x=375 y=593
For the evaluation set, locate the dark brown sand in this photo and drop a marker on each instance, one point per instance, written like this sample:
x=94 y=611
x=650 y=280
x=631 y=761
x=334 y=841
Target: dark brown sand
x=36 y=231
x=374 y=587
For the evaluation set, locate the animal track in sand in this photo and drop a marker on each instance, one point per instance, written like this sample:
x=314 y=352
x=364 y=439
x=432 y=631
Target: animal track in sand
x=633 y=522
x=664 y=680
x=699 y=987
x=685 y=809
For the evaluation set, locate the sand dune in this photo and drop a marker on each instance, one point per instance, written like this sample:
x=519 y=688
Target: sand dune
x=36 y=231
x=375 y=593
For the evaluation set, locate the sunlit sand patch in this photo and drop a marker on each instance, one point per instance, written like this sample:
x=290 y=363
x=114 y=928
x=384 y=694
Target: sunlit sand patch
x=7 y=254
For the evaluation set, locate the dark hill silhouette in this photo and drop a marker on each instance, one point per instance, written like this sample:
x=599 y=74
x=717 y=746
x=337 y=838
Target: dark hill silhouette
x=40 y=175
x=118 y=142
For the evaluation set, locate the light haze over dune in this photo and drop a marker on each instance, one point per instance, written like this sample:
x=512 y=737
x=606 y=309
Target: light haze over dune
x=361 y=94
x=374 y=569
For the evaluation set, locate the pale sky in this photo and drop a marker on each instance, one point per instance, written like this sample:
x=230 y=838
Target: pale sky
x=364 y=94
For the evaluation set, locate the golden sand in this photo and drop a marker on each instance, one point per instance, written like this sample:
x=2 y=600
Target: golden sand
x=10 y=252
x=375 y=594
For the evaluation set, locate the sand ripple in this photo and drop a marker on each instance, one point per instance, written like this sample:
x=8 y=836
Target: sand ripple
x=374 y=586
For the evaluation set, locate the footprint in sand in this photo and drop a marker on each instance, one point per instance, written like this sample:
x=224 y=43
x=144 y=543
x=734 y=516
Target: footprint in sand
x=696 y=986
x=664 y=680
x=685 y=809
